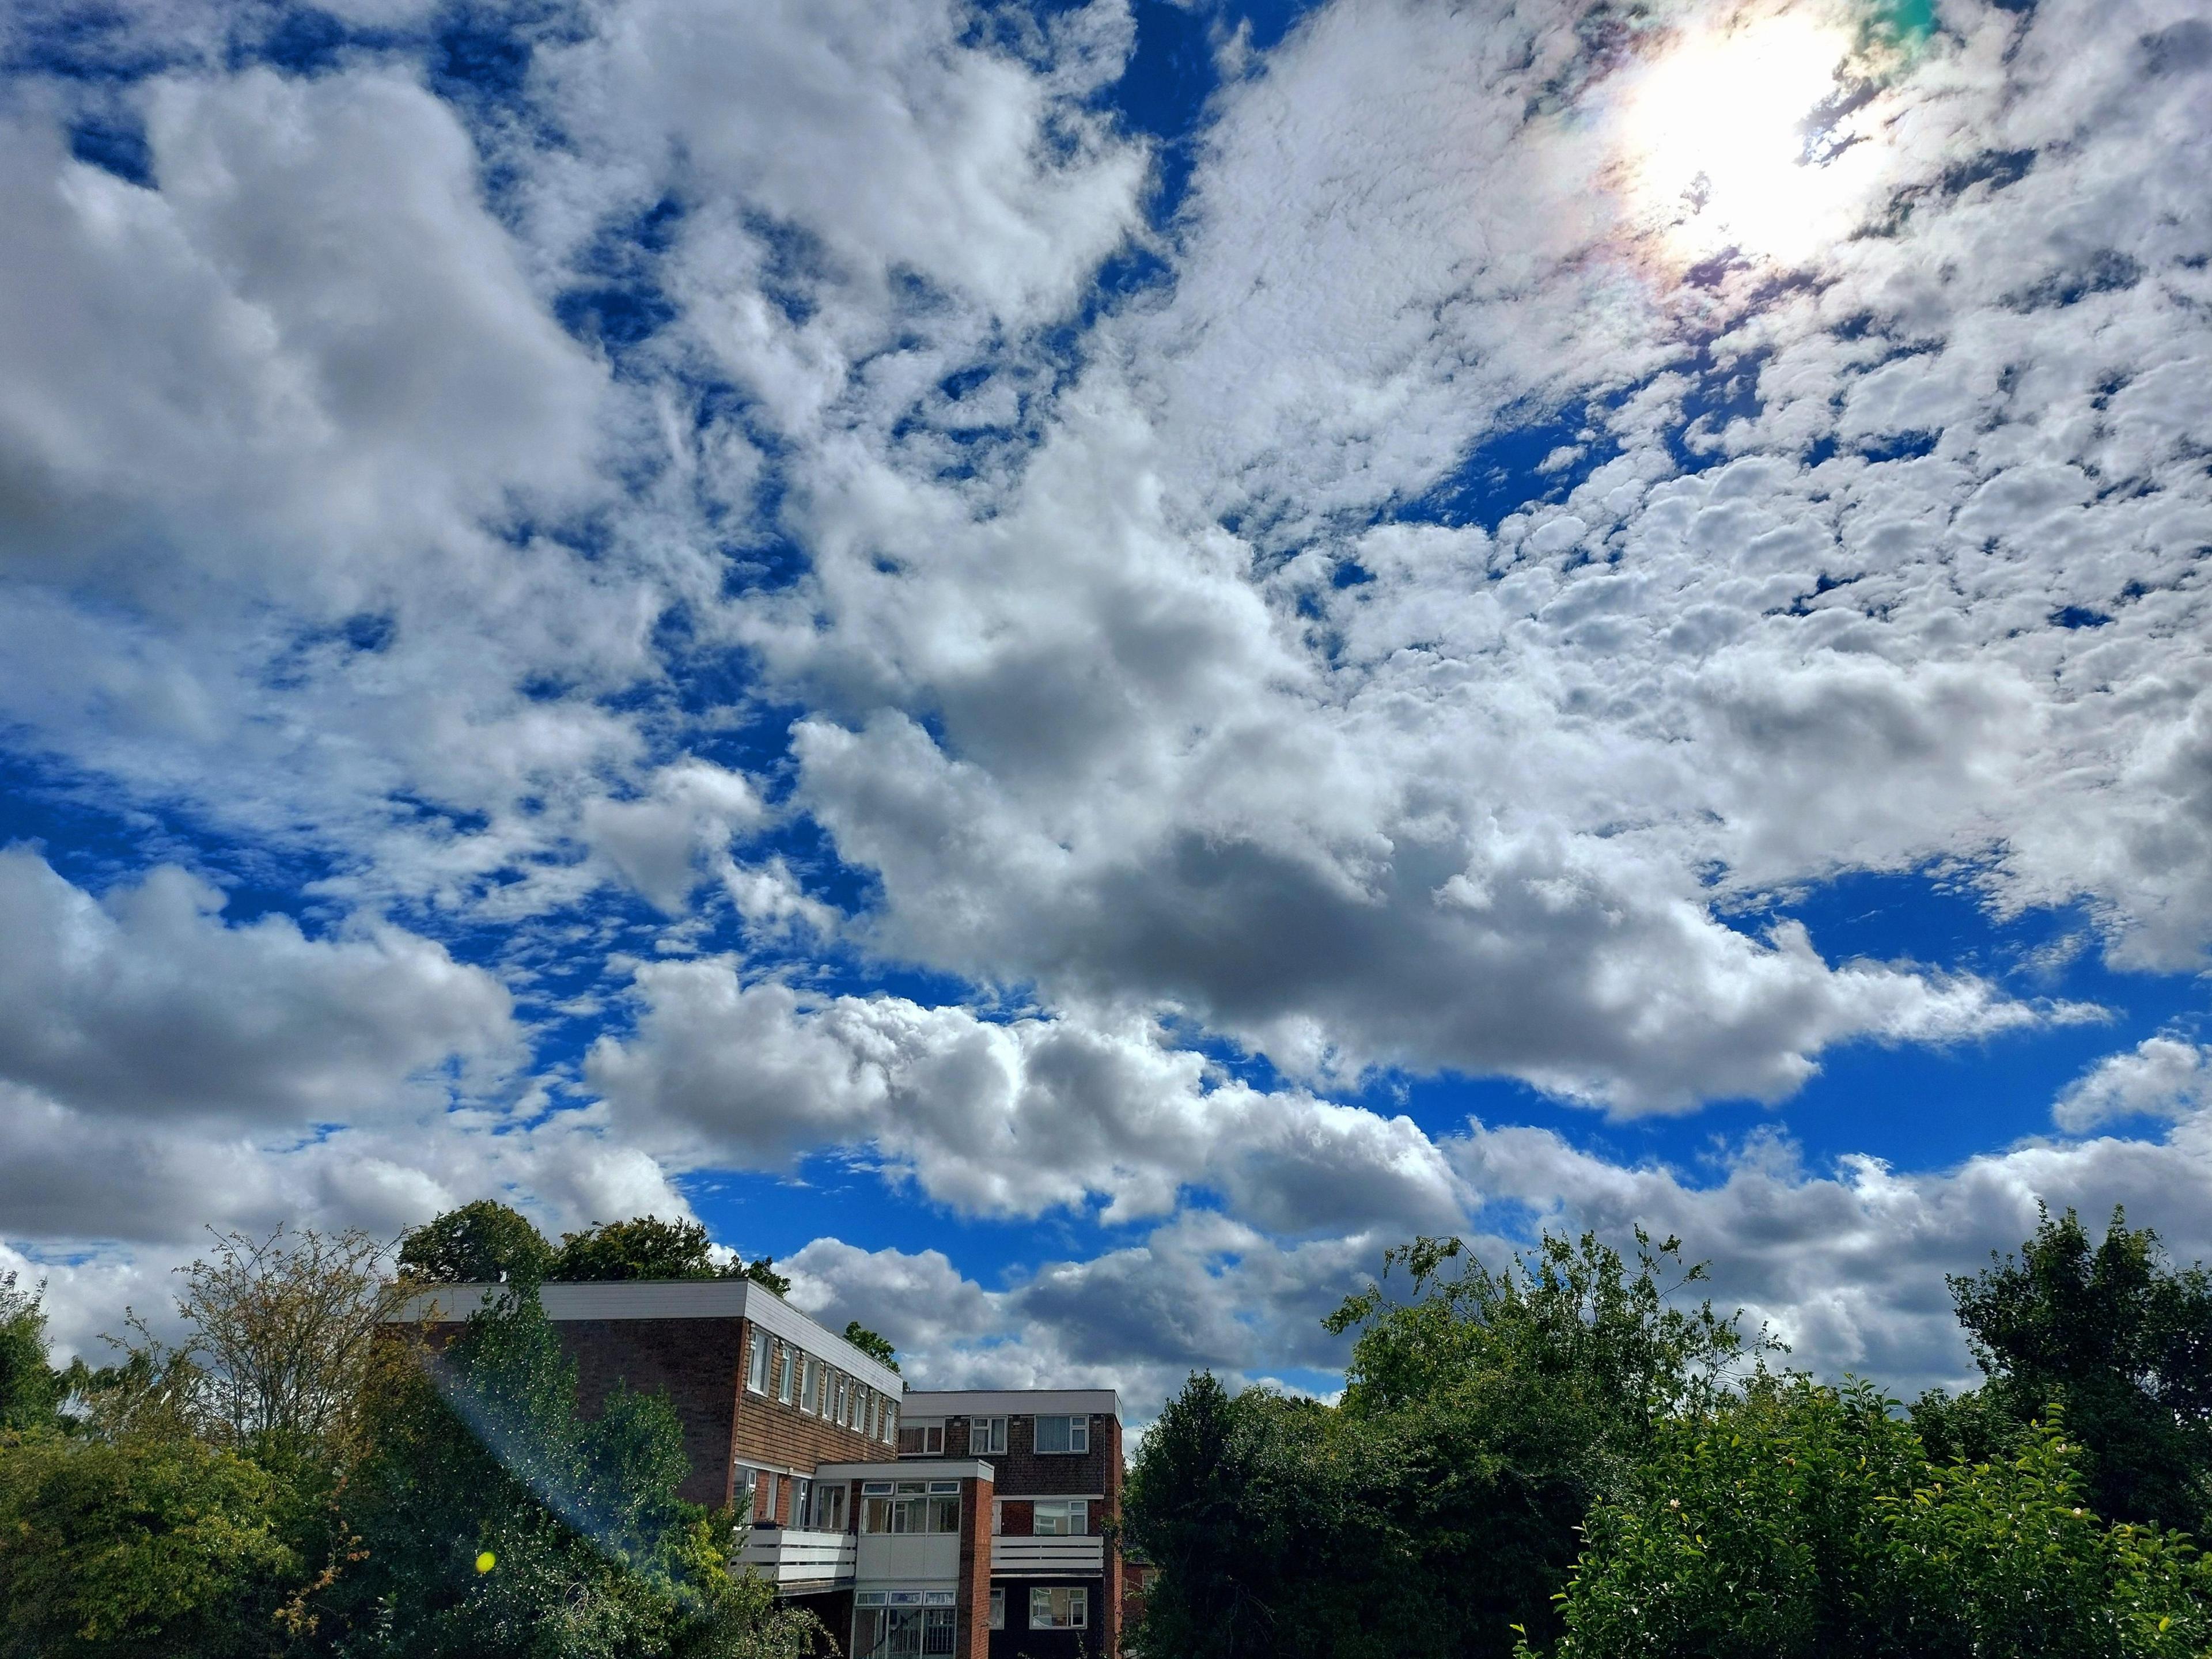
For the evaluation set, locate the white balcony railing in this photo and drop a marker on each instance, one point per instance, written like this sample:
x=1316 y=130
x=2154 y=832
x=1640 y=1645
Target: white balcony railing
x=790 y=1555
x=1053 y=1556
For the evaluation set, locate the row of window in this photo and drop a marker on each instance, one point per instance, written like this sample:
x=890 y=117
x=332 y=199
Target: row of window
x=1049 y=1518
x=1049 y=1608
x=987 y=1436
x=783 y=1371
x=909 y=1506
x=887 y=1625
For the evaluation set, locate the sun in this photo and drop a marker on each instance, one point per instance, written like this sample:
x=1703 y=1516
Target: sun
x=1727 y=140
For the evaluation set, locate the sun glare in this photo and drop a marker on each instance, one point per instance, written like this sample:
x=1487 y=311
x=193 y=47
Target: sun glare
x=1716 y=147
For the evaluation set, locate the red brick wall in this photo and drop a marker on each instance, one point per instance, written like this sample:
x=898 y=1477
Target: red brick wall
x=696 y=1364
x=972 y=1639
x=766 y=1433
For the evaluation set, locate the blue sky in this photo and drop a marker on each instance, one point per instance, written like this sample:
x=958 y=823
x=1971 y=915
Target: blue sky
x=1073 y=665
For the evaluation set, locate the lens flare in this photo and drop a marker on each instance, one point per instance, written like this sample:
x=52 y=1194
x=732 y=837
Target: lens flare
x=1723 y=143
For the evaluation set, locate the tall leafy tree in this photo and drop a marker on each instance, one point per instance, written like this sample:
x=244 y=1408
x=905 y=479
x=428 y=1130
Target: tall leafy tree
x=1797 y=1522
x=646 y=1247
x=2111 y=1331
x=493 y=1519
x=282 y=1330
x=481 y=1243
x=30 y=1387
x=1439 y=1505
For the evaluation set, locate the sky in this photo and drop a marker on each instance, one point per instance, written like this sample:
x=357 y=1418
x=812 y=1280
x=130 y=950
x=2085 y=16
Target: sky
x=1072 y=665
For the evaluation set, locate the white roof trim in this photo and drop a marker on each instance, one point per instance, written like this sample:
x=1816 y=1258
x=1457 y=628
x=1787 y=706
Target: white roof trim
x=929 y=1404
x=912 y=1469
x=681 y=1298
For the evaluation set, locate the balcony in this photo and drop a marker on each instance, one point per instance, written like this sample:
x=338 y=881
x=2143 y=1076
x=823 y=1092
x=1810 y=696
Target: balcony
x=791 y=1557
x=1044 y=1558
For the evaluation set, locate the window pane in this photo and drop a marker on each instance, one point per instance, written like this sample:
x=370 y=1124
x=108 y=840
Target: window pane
x=937 y=1631
x=997 y=1618
x=945 y=1515
x=1079 y=1434
x=1051 y=1434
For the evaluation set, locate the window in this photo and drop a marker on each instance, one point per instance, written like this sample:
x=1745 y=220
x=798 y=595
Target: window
x=836 y=1399
x=864 y=1407
x=802 y=1500
x=921 y=1440
x=998 y=1517
x=890 y=1424
x=806 y=1382
x=1061 y=1517
x=772 y=1507
x=986 y=1435
x=756 y=1364
x=1059 y=1609
x=997 y=1619
x=900 y=1632
x=1063 y=1434
x=822 y=1390
x=910 y=1506
x=830 y=1507
x=783 y=1377
x=741 y=1490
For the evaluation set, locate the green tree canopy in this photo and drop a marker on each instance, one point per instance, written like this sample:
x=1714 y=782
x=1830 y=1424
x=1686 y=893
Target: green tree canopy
x=493 y=1519
x=646 y=1247
x=480 y=1243
x=1439 y=1506
x=2112 y=1333
x=30 y=1389
x=1798 y=1521
x=868 y=1342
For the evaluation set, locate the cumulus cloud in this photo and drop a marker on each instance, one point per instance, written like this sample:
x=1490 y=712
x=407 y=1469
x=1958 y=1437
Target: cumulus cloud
x=1848 y=1265
x=1199 y=1292
x=148 y=1003
x=708 y=469
x=2159 y=1077
x=1010 y=1117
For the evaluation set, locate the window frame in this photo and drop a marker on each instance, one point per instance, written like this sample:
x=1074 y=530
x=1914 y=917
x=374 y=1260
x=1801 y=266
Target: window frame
x=995 y=1617
x=1074 y=1513
x=993 y=1442
x=1079 y=1607
x=783 y=1377
x=1077 y=1433
x=757 y=1363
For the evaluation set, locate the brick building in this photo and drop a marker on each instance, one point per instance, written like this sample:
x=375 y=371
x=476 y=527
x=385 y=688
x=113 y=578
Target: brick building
x=969 y=1524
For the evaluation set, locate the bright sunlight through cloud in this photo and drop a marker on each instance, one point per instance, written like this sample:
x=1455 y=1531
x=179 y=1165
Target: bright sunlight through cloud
x=1718 y=144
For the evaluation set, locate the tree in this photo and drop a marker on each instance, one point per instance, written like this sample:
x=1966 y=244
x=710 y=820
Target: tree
x=1268 y=1518
x=875 y=1346
x=480 y=1243
x=281 y=1332
x=646 y=1247
x=2123 y=1342
x=1797 y=1522
x=493 y=1519
x=30 y=1389
x=1439 y=1506
x=1517 y=1399
x=145 y=1545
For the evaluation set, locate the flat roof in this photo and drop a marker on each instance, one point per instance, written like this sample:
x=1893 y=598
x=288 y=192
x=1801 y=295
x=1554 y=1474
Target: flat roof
x=925 y=1403
x=667 y=1298
x=911 y=1469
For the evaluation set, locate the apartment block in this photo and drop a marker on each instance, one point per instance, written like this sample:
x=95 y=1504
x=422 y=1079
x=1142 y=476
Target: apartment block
x=974 y=1525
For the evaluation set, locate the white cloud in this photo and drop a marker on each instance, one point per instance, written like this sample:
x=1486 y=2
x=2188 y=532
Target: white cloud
x=2159 y=1077
x=1005 y=1118
x=149 y=1004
